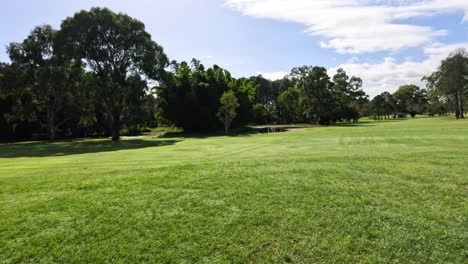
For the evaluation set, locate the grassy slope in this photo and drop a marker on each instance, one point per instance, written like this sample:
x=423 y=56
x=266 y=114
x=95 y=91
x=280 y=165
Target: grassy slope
x=378 y=192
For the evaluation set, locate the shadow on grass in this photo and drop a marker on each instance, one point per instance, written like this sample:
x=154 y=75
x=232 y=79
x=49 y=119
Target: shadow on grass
x=357 y=124
x=239 y=132
x=369 y=122
x=75 y=147
x=206 y=135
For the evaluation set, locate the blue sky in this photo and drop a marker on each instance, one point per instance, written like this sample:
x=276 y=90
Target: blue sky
x=386 y=42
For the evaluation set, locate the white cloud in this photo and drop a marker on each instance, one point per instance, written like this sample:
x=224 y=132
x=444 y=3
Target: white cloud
x=357 y=26
x=366 y=26
x=273 y=75
x=388 y=74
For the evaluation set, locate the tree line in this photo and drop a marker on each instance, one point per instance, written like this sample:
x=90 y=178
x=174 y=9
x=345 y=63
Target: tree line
x=87 y=77
x=446 y=92
x=101 y=73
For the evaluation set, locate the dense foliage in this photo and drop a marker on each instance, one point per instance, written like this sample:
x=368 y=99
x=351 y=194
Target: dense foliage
x=449 y=84
x=407 y=100
x=120 y=54
x=102 y=73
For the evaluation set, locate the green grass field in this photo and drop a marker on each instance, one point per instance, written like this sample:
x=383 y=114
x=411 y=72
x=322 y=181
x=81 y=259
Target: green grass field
x=377 y=192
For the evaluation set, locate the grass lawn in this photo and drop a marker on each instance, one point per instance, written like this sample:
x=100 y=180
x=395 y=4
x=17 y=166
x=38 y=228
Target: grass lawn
x=390 y=191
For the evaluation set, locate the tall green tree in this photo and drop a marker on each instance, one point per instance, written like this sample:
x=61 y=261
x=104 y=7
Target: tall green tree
x=265 y=93
x=53 y=80
x=438 y=101
x=389 y=105
x=316 y=96
x=349 y=95
x=140 y=111
x=377 y=105
x=290 y=102
x=410 y=99
x=245 y=92
x=383 y=106
x=227 y=110
x=451 y=80
x=189 y=96
x=18 y=108
x=116 y=48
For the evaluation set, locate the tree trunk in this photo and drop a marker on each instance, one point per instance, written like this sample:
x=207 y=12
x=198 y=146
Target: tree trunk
x=115 y=128
x=460 y=105
x=51 y=131
x=115 y=134
x=226 y=123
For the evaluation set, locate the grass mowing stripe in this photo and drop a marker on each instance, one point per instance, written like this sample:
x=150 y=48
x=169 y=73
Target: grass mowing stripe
x=392 y=191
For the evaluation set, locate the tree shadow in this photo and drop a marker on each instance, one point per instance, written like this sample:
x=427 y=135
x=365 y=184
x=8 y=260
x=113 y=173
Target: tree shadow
x=75 y=147
x=245 y=131
x=357 y=124
x=207 y=135
x=369 y=122
x=239 y=132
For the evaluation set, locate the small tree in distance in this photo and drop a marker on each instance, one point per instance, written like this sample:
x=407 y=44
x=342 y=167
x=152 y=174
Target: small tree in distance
x=227 y=110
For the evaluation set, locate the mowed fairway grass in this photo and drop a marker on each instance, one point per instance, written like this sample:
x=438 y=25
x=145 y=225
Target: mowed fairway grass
x=378 y=192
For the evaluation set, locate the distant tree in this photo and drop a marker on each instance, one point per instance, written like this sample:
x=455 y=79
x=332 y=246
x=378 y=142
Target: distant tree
x=260 y=114
x=227 y=110
x=265 y=94
x=437 y=100
x=377 y=106
x=289 y=100
x=189 y=96
x=245 y=92
x=411 y=99
x=116 y=48
x=451 y=80
x=388 y=105
x=349 y=96
x=316 y=96
x=140 y=111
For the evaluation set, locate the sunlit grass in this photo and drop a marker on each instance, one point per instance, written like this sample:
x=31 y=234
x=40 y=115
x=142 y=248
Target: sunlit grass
x=391 y=191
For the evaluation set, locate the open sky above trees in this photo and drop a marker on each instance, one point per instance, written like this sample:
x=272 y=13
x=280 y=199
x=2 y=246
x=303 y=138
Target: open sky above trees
x=387 y=43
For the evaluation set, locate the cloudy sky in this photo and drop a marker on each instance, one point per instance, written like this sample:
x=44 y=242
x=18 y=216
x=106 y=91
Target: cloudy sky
x=386 y=42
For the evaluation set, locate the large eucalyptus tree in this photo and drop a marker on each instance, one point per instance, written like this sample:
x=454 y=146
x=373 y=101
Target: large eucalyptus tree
x=118 y=50
x=51 y=79
x=451 y=81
